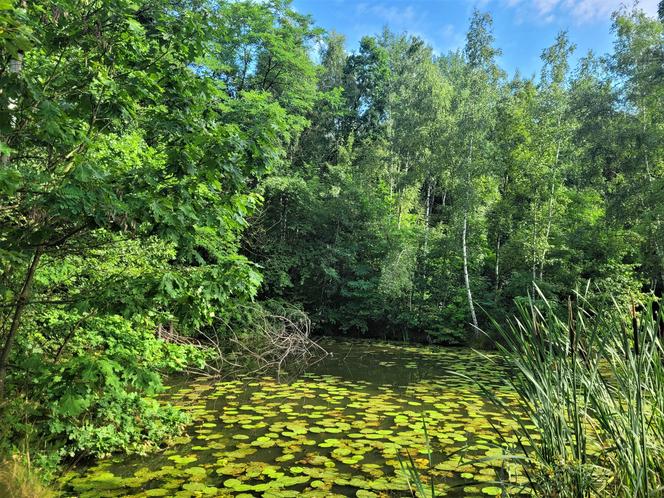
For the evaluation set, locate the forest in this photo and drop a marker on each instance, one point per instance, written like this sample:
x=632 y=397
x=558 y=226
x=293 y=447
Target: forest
x=207 y=206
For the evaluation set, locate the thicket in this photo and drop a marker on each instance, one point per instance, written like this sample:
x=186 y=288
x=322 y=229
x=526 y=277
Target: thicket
x=431 y=191
x=165 y=163
x=131 y=150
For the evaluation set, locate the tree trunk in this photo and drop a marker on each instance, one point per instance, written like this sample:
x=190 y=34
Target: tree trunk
x=464 y=243
x=427 y=214
x=466 y=276
x=15 y=66
x=19 y=307
x=503 y=193
x=497 y=268
x=550 y=213
x=534 y=248
x=282 y=220
x=399 y=210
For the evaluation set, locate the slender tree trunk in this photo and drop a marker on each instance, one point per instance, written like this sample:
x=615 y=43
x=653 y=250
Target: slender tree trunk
x=15 y=66
x=534 y=246
x=431 y=185
x=464 y=243
x=550 y=213
x=282 y=214
x=399 y=209
x=466 y=275
x=400 y=193
x=497 y=268
x=21 y=301
x=503 y=193
x=427 y=214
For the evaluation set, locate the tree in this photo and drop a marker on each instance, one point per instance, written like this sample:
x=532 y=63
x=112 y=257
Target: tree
x=637 y=63
x=474 y=108
x=118 y=139
x=553 y=135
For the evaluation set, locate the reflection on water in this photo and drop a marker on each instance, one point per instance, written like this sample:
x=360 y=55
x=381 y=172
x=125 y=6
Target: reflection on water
x=338 y=430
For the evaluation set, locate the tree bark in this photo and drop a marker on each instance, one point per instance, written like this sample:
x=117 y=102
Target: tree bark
x=497 y=268
x=466 y=276
x=427 y=214
x=551 y=198
x=464 y=244
x=21 y=301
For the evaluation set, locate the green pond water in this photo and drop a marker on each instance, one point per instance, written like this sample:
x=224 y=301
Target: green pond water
x=337 y=430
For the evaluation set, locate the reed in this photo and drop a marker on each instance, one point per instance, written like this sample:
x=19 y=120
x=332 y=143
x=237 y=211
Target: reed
x=591 y=397
x=18 y=479
x=416 y=485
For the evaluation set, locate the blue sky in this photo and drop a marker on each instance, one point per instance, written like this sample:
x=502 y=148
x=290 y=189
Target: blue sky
x=522 y=27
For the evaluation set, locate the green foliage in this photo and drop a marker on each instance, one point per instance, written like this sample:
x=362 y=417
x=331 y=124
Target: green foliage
x=263 y=47
x=98 y=397
x=434 y=186
x=591 y=390
x=15 y=34
x=128 y=173
x=162 y=164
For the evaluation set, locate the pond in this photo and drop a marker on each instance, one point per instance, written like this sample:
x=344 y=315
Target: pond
x=340 y=429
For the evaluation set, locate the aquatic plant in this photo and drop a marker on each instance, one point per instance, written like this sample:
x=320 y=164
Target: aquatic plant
x=412 y=472
x=325 y=434
x=18 y=479
x=591 y=393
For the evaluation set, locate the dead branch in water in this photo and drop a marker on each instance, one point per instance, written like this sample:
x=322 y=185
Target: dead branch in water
x=271 y=343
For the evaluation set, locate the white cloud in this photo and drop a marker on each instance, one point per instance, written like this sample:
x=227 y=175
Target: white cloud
x=448 y=31
x=390 y=14
x=414 y=18
x=545 y=7
x=580 y=11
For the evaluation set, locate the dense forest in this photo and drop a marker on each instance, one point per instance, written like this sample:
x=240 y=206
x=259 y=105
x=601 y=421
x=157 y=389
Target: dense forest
x=173 y=172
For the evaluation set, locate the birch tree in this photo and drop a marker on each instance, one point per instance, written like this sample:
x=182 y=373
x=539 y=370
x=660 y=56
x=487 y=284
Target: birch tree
x=475 y=116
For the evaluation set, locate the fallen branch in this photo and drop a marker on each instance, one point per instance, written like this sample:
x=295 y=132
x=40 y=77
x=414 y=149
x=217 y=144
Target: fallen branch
x=271 y=343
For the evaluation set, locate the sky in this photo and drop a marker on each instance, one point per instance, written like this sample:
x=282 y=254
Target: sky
x=523 y=28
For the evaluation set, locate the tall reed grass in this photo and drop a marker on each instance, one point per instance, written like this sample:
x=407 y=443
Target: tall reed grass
x=19 y=479
x=590 y=385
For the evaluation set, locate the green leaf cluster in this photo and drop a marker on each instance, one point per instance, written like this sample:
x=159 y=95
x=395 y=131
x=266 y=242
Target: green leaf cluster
x=129 y=159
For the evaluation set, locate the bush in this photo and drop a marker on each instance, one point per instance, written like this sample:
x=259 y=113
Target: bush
x=97 y=398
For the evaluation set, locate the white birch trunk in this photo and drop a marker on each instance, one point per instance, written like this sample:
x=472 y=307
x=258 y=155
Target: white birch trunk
x=550 y=213
x=464 y=245
x=466 y=275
